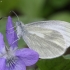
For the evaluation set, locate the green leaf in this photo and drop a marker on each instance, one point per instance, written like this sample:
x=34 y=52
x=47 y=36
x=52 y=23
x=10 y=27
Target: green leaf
x=54 y=64
x=67 y=56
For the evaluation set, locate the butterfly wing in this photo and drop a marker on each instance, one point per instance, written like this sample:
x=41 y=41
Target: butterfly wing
x=49 y=43
x=60 y=26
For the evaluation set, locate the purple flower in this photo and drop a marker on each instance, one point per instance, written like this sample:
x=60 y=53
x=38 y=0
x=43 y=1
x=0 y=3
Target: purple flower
x=12 y=58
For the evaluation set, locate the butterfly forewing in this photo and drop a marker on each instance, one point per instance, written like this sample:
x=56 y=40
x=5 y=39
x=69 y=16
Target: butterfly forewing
x=60 y=26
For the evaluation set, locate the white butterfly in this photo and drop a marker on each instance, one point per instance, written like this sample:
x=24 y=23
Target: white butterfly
x=49 y=38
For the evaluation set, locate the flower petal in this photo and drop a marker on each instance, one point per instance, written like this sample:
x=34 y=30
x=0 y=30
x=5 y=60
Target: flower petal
x=29 y=56
x=2 y=64
x=2 y=44
x=10 y=33
x=16 y=64
x=20 y=65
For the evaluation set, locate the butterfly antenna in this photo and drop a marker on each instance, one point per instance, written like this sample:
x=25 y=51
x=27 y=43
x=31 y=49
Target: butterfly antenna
x=12 y=27
x=11 y=32
x=15 y=14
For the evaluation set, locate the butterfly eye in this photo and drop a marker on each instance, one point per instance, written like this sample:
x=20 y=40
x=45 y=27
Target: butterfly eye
x=19 y=23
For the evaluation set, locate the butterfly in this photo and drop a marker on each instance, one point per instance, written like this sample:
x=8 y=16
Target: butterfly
x=49 y=38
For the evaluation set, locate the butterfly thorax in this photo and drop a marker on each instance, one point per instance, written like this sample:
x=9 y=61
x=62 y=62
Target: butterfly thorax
x=20 y=27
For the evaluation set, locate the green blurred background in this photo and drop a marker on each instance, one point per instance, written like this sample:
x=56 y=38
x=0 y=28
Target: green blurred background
x=36 y=10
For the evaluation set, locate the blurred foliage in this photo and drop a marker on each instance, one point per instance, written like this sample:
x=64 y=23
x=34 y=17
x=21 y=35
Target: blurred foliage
x=36 y=10
x=58 y=3
x=54 y=64
x=32 y=8
x=64 y=16
x=7 y=5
